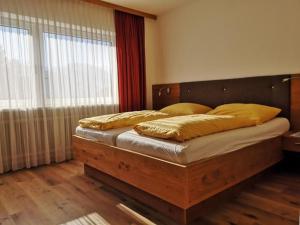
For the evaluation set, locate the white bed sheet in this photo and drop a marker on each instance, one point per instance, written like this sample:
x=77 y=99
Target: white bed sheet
x=202 y=147
x=106 y=137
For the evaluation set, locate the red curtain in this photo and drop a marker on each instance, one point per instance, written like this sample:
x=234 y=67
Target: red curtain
x=130 y=43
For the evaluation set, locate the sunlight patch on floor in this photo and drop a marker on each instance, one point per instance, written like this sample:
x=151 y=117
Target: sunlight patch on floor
x=90 y=219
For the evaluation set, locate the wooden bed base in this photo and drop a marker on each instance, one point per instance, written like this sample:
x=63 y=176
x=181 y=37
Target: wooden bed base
x=181 y=216
x=175 y=190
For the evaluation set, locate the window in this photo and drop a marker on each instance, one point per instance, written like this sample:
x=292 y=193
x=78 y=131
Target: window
x=76 y=62
x=54 y=64
x=16 y=60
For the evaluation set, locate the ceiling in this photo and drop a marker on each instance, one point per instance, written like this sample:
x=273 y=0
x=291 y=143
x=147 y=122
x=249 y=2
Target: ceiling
x=156 y=7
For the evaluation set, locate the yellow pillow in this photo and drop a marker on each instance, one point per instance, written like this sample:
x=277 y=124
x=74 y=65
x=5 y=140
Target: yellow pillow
x=180 y=109
x=258 y=113
x=182 y=128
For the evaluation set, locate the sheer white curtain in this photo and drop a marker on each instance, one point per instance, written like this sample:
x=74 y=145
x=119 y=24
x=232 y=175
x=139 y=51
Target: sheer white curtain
x=57 y=65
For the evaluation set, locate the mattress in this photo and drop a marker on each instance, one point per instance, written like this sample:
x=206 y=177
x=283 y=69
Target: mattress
x=202 y=147
x=106 y=137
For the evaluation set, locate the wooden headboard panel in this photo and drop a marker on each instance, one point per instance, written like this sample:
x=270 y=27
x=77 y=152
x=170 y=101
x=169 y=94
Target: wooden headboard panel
x=267 y=90
x=295 y=102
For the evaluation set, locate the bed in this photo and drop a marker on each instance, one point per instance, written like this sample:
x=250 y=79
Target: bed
x=177 y=185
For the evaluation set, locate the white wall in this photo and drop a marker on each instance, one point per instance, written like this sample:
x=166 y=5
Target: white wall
x=217 y=39
x=152 y=57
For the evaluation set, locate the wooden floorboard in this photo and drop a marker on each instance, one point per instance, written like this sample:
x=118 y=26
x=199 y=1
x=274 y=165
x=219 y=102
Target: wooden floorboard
x=61 y=194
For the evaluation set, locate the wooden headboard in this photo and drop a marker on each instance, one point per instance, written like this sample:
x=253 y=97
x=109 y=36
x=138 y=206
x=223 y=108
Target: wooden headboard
x=267 y=90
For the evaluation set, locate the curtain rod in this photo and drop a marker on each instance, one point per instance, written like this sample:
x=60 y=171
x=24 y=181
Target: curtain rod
x=122 y=8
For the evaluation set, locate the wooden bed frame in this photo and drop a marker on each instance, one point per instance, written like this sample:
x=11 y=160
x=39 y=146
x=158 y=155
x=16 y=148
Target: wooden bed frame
x=182 y=186
x=175 y=190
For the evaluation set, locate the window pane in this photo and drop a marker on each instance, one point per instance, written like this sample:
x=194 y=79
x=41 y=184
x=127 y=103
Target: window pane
x=83 y=66
x=17 y=68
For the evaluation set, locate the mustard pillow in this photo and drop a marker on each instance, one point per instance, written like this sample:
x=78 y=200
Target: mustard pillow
x=258 y=113
x=182 y=128
x=185 y=109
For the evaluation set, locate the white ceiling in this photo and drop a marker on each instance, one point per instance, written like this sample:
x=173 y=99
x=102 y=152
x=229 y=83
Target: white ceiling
x=156 y=7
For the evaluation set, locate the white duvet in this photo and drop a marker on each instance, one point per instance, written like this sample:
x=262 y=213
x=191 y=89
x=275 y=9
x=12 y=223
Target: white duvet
x=202 y=147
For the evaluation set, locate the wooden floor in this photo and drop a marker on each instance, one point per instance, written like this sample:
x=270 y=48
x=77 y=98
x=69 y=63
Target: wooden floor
x=61 y=194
